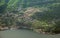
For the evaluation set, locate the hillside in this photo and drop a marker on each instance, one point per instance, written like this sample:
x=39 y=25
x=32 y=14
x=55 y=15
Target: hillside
x=42 y=14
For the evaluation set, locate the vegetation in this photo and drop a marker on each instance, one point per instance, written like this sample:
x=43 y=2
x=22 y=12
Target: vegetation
x=38 y=14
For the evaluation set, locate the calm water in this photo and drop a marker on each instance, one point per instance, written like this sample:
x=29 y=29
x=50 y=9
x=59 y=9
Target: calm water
x=24 y=34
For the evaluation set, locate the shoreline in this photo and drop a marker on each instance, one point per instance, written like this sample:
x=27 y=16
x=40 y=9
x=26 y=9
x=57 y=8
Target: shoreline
x=36 y=30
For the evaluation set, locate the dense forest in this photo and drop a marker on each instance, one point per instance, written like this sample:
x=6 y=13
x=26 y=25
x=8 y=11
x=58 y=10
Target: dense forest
x=36 y=14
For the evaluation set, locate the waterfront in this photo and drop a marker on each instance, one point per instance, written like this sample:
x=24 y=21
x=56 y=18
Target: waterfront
x=22 y=33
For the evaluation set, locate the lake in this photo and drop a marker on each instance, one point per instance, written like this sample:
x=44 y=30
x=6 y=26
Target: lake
x=25 y=34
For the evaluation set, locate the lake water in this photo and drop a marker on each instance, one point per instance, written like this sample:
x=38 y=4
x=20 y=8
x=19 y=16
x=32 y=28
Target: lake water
x=25 y=34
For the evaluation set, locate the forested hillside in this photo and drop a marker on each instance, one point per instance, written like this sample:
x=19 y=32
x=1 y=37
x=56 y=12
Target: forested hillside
x=38 y=14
